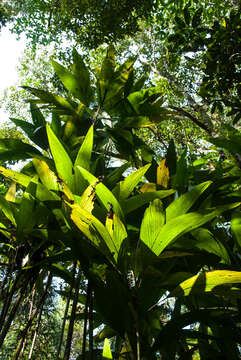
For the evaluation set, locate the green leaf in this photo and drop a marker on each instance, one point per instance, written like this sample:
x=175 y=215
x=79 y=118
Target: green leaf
x=93 y=229
x=11 y=193
x=84 y=154
x=112 y=178
x=26 y=126
x=37 y=117
x=104 y=195
x=83 y=159
x=36 y=134
x=19 y=178
x=15 y=149
x=232 y=145
x=206 y=241
x=82 y=75
x=7 y=209
x=56 y=125
x=106 y=350
x=182 y=204
x=206 y=282
x=137 y=201
x=138 y=98
x=180 y=225
x=125 y=187
x=236 y=226
x=47 y=177
x=117 y=232
x=106 y=73
x=187 y=16
x=62 y=160
x=52 y=99
x=72 y=84
x=154 y=218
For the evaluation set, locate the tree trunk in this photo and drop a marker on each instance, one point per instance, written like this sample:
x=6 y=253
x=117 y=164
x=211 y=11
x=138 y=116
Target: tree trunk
x=66 y=311
x=31 y=302
x=7 y=302
x=86 y=313
x=29 y=323
x=72 y=319
x=11 y=315
x=35 y=333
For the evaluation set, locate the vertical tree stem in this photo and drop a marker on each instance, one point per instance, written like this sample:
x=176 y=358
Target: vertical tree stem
x=11 y=315
x=29 y=323
x=31 y=301
x=7 y=303
x=66 y=311
x=35 y=333
x=72 y=319
x=91 y=324
x=85 y=322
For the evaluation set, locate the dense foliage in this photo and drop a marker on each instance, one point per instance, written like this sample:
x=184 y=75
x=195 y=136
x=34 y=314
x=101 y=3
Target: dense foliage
x=120 y=235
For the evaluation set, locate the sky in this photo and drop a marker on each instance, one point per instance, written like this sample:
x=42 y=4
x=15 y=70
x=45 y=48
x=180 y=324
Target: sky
x=11 y=50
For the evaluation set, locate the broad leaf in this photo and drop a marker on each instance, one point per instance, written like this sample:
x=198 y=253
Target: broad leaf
x=106 y=350
x=72 y=84
x=7 y=209
x=47 y=177
x=236 y=226
x=137 y=201
x=15 y=176
x=182 y=204
x=206 y=281
x=104 y=195
x=83 y=77
x=15 y=149
x=182 y=224
x=206 y=241
x=163 y=175
x=37 y=116
x=62 y=160
x=93 y=229
x=117 y=232
x=52 y=99
x=84 y=154
x=154 y=218
x=125 y=187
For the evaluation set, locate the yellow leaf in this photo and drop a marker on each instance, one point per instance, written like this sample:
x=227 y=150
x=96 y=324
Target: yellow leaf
x=163 y=175
x=148 y=187
x=207 y=281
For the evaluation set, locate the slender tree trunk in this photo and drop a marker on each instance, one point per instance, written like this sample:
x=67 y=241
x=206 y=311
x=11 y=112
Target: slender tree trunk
x=12 y=315
x=86 y=313
x=35 y=333
x=91 y=325
x=31 y=302
x=72 y=319
x=29 y=323
x=66 y=311
x=7 y=302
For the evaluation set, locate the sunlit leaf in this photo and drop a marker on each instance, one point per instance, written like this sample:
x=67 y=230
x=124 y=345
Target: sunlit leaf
x=62 y=160
x=206 y=281
x=236 y=225
x=182 y=204
x=125 y=187
x=163 y=175
x=154 y=218
x=104 y=195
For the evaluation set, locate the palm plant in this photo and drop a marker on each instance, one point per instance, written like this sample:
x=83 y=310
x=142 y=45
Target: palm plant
x=138 y=240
